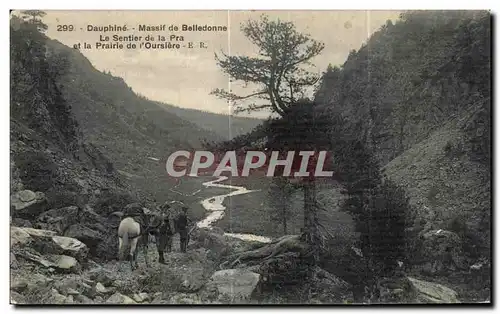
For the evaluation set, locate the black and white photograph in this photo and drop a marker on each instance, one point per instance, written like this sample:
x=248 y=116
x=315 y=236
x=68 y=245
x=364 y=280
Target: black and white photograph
x=255 y=157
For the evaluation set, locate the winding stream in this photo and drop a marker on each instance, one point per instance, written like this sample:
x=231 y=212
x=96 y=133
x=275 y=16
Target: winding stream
x=216 y=209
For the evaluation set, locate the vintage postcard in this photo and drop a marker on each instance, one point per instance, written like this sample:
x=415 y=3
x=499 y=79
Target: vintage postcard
x=250 y=157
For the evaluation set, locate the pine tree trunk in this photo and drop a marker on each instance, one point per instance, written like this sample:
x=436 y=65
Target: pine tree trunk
x=311 y=219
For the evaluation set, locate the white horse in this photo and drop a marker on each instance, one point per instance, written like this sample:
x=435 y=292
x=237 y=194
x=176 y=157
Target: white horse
x=130 y=236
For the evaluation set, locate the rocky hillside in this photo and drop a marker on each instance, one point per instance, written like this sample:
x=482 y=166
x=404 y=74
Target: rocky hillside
x=227 y=127
x=452 y=190
x=47 y=151
x=411 y=77
x=128 y=127
x=47 y=268
x=418 y=94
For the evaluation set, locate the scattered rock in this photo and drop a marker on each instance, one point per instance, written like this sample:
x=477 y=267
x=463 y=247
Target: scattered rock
x=13 y=261
x=46 y=242
x=442 y=251
x=80 y=298
x=17 y=298
x=396 y=290
x=329 y=288
x=72 y=247
x=192 y=280
x=107 y=249
x=158 y=299
x=27 y=204
x=103 y=275
x=56 y=298
x=64 y=263
x=429 y=292
x=119 y=298
x=37 y=233
x=72 y=286
x=235 y=284
x=19 y=222
x=19 y=237
x=184 y=298
x=72 y=291
x=90 y=237
x=140 y=297
x=18 y=284
x=100 y=288
x=58 y=219
x=217 y=243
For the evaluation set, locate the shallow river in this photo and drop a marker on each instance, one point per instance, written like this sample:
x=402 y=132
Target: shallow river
x=214 y=206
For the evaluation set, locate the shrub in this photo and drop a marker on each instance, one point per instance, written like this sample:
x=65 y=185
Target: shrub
x=37 y=171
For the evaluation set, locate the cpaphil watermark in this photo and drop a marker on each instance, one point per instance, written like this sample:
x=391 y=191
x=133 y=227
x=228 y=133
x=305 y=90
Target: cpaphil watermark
x=275 y=163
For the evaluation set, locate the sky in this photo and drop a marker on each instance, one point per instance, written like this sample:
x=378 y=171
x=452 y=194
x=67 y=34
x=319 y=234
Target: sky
x=185 y=77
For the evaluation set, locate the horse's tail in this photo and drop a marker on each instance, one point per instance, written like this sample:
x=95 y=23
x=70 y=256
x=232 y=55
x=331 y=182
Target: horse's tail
x=124 y=245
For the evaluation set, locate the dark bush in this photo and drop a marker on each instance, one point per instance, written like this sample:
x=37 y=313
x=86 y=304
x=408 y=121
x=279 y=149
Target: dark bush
x=37 y=171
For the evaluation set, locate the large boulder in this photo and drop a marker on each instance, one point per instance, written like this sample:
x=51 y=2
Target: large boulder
x=119 y=298
x=107 y=249
x=328 y=288
x=60 y=263
x=89 y=236
x=46 y=242
x=429 y=292
x=234 y=285
x=19 y=237
x=141 y=297
x=27 y=204
x=19 y=222
x=101 y=274
x=54 y=297
x=441 y=252
x=181 y=298
x=58 y=219
x=73 y=285
x=215 y=243
x=72 y=247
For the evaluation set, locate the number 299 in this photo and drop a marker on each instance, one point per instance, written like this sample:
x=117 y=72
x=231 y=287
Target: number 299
x=65 y=28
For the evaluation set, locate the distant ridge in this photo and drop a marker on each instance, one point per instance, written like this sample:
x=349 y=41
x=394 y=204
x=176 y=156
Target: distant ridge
x=224 y=125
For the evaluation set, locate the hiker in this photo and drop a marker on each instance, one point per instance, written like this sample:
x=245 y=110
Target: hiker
x=162 y=230
x=181 y=224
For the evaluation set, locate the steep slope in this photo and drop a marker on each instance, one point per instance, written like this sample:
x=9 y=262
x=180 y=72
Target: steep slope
x=410 y=77
x=48 y=153
x=418 y=94
x=449 y=189
x=225 y=126
x=128 y=127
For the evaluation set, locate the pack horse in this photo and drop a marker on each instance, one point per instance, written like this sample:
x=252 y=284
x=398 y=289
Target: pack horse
x=132 y=234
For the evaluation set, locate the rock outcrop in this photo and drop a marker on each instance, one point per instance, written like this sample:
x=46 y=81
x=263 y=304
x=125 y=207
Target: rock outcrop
x=27 y=204
x=429 y=292
x=442 y=252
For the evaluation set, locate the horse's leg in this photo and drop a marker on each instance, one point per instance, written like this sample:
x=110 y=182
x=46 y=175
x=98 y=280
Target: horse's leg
x=133 y=253
x=120 y=244
x=120 y=257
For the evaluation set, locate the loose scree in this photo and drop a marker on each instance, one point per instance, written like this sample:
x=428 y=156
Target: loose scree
x=296 y=164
